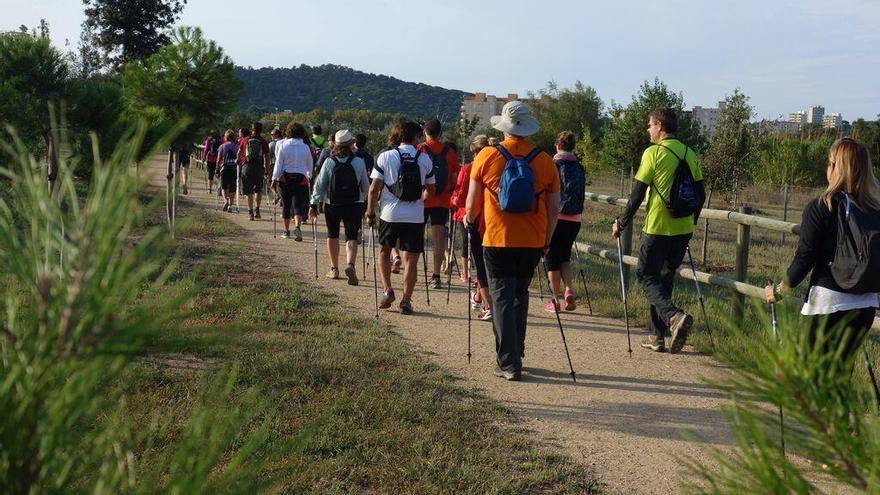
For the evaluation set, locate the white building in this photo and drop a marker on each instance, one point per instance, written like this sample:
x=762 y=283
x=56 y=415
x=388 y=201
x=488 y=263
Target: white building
x=798 y=117
x=708 y=118
x=815 y=114
x=832 y=121
x=484 y=107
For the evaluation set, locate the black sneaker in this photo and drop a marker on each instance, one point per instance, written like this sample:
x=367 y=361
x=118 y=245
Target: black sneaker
x=511 y=376
x=654 y=343
x=436 y=283
x=680 y=324
x=257 y=213
x=250 y=214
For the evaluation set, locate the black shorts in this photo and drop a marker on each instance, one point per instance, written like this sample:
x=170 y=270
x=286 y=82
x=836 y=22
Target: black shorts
x=411 y=236
x=349 y=215
x=251 y=179
x=436 y=216
x=185 y=159
x=228 y=180
x=294 y=200
x=560 y=244
x=212 y=170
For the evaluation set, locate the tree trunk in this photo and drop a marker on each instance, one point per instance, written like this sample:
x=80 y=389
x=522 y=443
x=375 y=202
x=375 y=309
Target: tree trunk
x=706 y=230
x=51 y=160
x=169 y=176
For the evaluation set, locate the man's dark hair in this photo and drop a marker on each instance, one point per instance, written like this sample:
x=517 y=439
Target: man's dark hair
x=667 y=118
x=295 y=131
x=244 y=131
x=360 y=140
x=433 y=128
x=257 y=127
x=317 y=129
x=410 y=131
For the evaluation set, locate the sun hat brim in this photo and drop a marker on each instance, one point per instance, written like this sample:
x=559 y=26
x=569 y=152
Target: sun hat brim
x=526 y=125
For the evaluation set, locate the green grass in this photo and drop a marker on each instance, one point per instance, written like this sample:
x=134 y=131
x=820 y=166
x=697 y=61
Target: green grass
x=352 y=408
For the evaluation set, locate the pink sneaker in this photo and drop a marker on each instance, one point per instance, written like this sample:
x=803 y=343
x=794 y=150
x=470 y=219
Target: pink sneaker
x=569 y=300
x=551 y=306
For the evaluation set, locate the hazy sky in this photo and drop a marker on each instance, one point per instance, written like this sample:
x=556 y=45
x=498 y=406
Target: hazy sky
x=785 y=54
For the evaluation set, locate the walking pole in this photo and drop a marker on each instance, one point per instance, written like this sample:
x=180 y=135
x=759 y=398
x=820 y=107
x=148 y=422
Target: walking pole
x=577 y=253
x=363 y=248
x=540 y=286
x=237 y=187
x=469 y=297
x=315 y=243
x=773 y=324
x=629 y=348
x=871 y=374
x=449 y=263
x=375 y=277
x=700 y=295
x=555 y=300
x=275 y=214
x=425 y=265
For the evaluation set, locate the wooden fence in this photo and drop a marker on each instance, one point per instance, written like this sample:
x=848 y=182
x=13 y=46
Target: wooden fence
x=744 y=220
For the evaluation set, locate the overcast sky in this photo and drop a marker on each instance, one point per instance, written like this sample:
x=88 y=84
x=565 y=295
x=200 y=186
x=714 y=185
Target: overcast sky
x=784 y=54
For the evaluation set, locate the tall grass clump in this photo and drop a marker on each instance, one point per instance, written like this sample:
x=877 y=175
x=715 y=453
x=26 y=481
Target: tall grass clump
x=75 y=270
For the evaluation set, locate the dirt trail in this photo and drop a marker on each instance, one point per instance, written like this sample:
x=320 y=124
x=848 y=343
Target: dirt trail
x=625 y=417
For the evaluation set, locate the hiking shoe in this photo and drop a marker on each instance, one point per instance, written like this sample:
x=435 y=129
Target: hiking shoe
x=436 y=283
x=297 y=234
x=185 y=190
x=387 y=299
x=286 y=234
x=511 y=376
x=485 y=315
x=406 y=307
x=654 y=343
x=395 y=266
x=680 y=324
x=352 y=276
x=333 y=274
x=250 y=215
x=551 y=306
x=257 y=213
x=569 y=300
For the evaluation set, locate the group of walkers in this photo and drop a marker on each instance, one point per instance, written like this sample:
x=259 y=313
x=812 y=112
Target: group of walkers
x=516 y=207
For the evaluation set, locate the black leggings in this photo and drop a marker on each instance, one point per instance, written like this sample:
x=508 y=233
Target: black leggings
x=476 y=245
x=294 y=200
x=560 y=244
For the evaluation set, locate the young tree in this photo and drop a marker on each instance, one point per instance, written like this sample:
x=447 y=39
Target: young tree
x=732 y=149
x=33 y=75
x=625 y=138
x=129 y=30
x=190 y=82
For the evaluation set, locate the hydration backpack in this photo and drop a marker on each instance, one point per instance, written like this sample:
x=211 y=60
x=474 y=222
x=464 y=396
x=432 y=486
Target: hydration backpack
x=516 y=189
x=856 y=262
x=408 y=186
x=441 y=170
x=253 y=152
x=572 y=180
x=683 y=200
x=344 y=186
x=213 y=146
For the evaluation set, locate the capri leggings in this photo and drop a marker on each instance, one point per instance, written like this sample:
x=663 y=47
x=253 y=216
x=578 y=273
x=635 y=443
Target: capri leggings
x=294 y=199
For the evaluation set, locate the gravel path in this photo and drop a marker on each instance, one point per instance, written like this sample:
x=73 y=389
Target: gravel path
x=625 y=417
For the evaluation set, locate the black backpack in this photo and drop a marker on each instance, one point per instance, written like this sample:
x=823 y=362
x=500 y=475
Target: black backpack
x=441 y=169
x=572 y=180
x=344 y=186
x=683 y=200
x=408 y=186
x=856 y=262
x=254 y=152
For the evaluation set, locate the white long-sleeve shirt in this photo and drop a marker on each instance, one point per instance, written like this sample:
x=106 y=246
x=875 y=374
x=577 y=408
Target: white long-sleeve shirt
x=292 y=156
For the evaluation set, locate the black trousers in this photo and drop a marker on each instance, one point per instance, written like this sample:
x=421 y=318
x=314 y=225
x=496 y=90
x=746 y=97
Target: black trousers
x=510 y=274
x=659 y=259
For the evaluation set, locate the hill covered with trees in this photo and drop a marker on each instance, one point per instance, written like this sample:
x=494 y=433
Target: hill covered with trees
x=332 y=87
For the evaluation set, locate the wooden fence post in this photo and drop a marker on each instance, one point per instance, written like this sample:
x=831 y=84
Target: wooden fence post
x=743 y=234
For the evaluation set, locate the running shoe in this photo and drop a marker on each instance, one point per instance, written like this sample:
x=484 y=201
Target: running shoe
x=406 y=307
x=251 y=215
x=286 y=234
x=654 y=343
x=436 y=283
x=333 y=274
x=475 y=303
x=257 y=213
x=569 y=300
x=551 y=306
x=680 y=324
x=485 y=315
x=297 y=234
x=395 y=266
x=509 y=375
x=351 y=274
x=387 y=299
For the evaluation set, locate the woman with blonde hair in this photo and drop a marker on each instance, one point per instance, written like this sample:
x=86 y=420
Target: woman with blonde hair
x=851 y=184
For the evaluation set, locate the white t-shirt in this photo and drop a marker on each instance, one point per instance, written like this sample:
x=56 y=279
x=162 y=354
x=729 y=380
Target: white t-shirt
x=822 y=301
x=387 y=168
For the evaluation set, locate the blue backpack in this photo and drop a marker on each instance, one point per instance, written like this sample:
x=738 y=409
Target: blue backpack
x=683 y=200
x=516 y=189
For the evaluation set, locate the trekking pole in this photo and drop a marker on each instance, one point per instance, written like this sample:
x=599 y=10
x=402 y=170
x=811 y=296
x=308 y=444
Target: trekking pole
x=238 y=184
x=449 y=263
x=555 y=300
x=540 y=286
x=275 y=215
x=425 y=265
x=629 y=348
x=363 y=246
x=871 y=374
x=315 y=243
x=577 y=253
x=700 y=295
x=375 y=277
x=469 y=297
x=774 y=326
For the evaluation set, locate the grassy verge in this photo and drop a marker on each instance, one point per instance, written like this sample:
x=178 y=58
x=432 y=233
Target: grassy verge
x=352 y=409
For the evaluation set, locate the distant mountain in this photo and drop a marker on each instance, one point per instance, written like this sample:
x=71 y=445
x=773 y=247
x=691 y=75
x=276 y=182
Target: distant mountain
x=332 y=87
